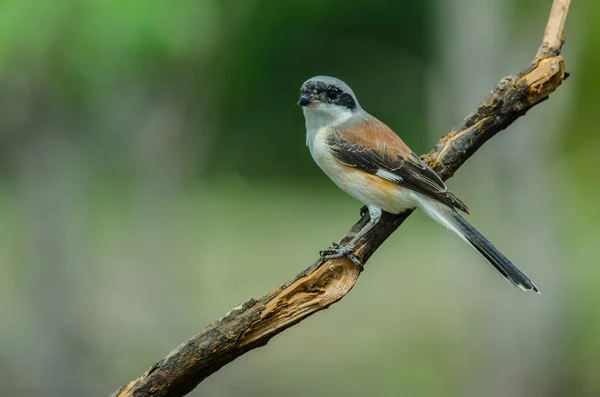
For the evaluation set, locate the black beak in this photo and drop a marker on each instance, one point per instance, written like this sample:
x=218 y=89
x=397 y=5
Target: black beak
x=304 y=100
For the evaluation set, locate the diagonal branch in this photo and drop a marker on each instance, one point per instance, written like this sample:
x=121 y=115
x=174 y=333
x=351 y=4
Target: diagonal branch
x=253 y=323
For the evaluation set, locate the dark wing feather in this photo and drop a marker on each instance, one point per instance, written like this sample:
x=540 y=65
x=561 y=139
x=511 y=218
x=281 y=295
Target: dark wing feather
x=406 y=170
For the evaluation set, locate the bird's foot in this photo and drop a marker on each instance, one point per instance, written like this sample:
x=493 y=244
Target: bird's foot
x=339 y=251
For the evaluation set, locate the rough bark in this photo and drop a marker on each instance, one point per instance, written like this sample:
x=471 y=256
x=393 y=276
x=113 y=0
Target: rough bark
x=253 y=323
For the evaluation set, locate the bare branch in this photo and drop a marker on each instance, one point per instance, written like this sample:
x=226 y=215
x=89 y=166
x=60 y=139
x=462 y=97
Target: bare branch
x=255 y=322
x=554 y=35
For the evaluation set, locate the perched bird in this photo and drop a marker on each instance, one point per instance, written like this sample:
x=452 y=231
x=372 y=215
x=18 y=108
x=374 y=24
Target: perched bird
x=367 y=160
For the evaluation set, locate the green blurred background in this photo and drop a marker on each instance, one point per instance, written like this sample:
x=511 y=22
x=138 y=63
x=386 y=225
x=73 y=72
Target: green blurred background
x=154 y=174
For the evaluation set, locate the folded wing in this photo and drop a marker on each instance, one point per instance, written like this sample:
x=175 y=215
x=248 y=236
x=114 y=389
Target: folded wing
x=374 y=148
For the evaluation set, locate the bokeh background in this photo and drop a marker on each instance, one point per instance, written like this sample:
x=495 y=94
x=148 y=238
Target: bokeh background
x=154 y=174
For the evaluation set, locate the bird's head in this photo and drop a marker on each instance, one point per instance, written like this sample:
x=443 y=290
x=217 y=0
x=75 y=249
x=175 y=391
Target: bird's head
x=327 y=98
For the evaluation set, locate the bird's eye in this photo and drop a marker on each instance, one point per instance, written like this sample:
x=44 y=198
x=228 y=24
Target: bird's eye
x=332 y=93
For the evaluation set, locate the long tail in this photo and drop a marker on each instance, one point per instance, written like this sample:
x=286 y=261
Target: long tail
x=493 y=256
x=453 y=221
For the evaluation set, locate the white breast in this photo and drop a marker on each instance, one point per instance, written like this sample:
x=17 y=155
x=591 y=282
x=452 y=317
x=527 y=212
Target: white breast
x=366 y=188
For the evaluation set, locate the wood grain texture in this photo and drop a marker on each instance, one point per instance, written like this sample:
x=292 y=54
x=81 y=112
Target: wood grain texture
x=253 y=323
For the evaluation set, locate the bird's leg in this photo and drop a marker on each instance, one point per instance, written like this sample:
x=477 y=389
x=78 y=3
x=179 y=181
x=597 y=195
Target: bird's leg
x=340 y=250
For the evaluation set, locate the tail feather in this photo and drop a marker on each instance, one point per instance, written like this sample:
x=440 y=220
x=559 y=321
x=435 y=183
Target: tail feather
x=492 y=255
x=448 y=217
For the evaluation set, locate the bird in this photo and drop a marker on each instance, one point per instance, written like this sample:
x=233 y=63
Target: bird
x=371 y=163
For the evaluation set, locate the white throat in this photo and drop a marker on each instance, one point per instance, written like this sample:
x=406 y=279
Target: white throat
x=321 y=117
